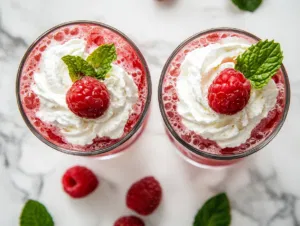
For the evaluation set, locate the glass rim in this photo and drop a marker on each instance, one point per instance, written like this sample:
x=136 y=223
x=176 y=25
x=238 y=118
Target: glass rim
x=123 y=139
x=190 y=147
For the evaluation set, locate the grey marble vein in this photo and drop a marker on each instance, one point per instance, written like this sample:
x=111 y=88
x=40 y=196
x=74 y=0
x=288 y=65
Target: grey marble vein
x=260 y=191
x=156 y=51
x=11 y=138
x=8 y=42
x=258 y=198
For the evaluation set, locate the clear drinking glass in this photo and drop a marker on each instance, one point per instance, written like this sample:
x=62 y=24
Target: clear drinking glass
x=132 y=61
x=191 y=146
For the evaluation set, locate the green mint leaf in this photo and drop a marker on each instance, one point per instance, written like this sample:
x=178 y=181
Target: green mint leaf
x=78 y=67
x=247 y=5
x=215 y=212
x=102 y=58
x=35 y=214
x=101 y=72
x=260 y=62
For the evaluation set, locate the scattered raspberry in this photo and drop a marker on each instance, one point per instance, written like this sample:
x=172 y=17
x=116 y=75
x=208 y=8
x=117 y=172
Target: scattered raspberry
x=129 y=221
x=79 y=181
x=144 y=196
x=229 y=93
x=88 y=98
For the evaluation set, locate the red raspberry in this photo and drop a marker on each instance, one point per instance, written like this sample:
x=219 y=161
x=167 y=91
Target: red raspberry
x=88 y=98
x=79 y=181
x=229 y=93
x=144 y=196
x=129 y=221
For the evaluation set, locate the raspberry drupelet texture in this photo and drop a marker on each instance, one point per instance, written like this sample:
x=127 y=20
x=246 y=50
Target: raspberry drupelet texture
x=144 y=196
x=88 y=98
x=79 y=181
x=229 y=93
x=129 y=221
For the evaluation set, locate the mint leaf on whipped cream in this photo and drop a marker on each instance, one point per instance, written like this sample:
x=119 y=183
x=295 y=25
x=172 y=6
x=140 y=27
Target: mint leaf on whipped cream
x=97 y=65
x=102 y=58
x=35 y=214
x=78 y=67
x=260 y=62
x=215 y=212
x=247 y=5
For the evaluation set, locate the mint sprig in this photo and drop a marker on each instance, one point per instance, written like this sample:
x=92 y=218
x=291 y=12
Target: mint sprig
x=102 y=58
x=35 y=214
x=215 y=212
x=97 y=65
x=247 y=5
x=78 y=67
x=260 y=62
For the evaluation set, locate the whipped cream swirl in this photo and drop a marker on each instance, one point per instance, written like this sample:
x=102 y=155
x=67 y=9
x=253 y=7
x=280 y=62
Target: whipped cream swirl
x=52 y=82
x=198 y=70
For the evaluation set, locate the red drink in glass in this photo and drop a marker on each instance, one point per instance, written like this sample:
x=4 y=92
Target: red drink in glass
x=194 y=147
x=129 y=58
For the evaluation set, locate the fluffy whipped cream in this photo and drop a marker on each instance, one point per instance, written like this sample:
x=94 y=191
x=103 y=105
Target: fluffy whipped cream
x=52 y=82
x=198 y=71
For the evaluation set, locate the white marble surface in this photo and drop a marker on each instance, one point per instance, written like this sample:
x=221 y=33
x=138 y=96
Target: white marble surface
x=264 y=189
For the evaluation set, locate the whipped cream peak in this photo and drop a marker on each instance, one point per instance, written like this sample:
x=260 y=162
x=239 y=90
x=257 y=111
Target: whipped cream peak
x=199 y=69
x=52 y=82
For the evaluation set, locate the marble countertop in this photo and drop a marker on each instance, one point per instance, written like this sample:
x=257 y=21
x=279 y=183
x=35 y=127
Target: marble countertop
x=264 y=189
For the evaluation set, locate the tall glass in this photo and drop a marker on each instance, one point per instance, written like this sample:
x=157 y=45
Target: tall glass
x=192 y=146
x=129 y=57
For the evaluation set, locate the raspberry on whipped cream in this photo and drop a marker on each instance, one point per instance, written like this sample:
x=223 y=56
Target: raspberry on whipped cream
x=229 y=93
x=198 y=71
x=88 y=98
x=102 y=117
x=52 y=82
x=223 y=95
